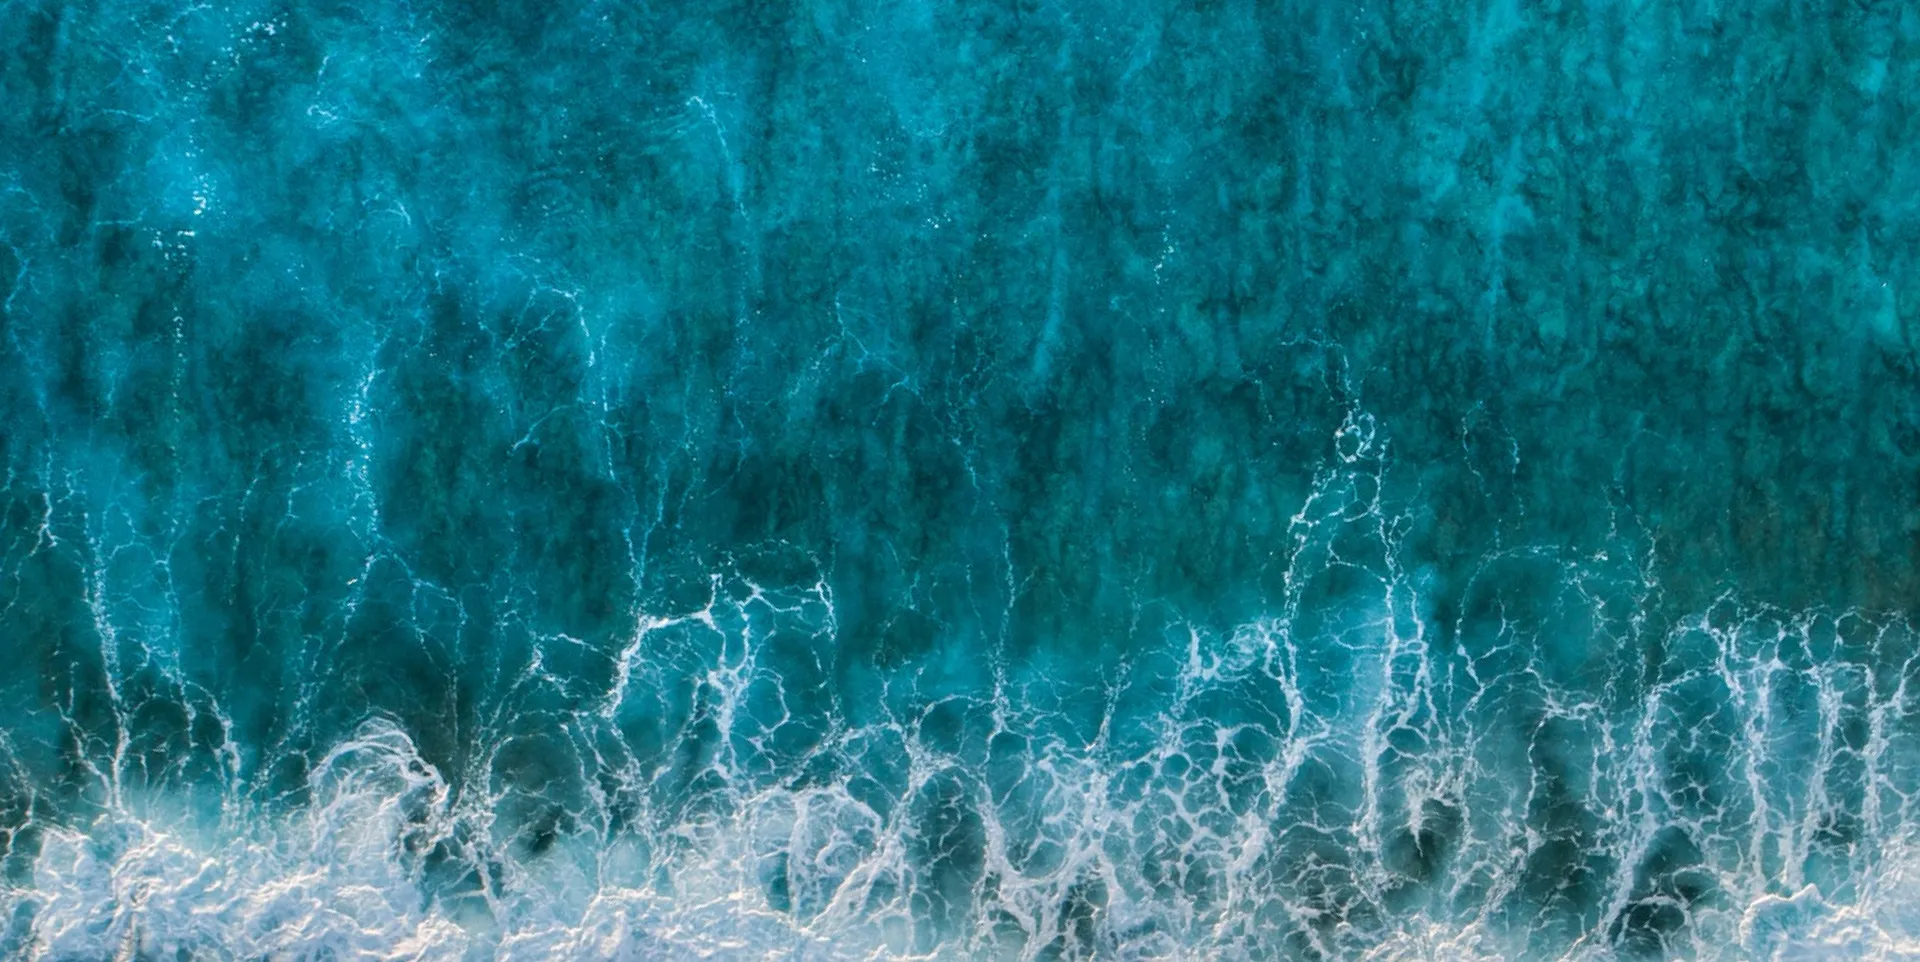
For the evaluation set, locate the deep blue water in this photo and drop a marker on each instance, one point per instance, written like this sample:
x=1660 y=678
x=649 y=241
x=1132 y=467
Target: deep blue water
x=835 y=479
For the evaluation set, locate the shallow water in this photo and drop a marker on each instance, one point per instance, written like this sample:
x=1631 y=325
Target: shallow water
x=1283 y=480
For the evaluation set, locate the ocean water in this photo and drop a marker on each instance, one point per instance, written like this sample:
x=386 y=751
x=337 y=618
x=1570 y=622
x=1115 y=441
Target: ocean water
x=841 y=479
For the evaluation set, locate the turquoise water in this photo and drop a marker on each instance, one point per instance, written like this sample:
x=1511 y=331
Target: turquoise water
x=1380 y=480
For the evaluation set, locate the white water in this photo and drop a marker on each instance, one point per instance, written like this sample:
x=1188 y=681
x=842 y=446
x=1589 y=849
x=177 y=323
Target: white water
x=1189 y=849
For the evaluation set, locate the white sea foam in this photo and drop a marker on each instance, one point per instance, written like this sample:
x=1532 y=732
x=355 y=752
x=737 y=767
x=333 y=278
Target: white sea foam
x=1209 y=842
x=1346 y=779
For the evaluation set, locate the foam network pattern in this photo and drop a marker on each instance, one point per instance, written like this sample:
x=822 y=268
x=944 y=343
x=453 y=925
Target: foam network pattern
x=1002 y=480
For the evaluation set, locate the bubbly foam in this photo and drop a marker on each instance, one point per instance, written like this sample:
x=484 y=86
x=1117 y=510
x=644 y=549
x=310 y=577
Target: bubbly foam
x=1738 y=787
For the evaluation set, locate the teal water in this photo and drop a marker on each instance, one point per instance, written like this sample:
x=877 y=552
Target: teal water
x=848 y=480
